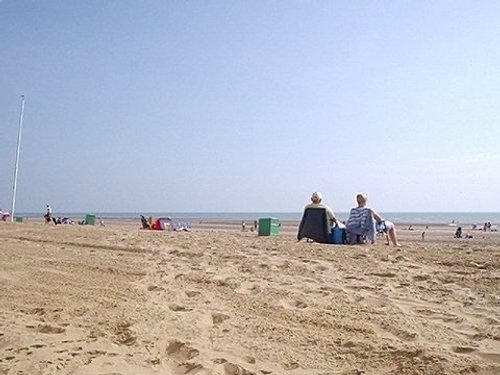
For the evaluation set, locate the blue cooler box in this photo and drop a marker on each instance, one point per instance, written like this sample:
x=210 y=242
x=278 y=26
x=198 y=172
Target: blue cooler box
x=338 y=236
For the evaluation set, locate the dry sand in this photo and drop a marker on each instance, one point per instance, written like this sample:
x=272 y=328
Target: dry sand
x=116 y=300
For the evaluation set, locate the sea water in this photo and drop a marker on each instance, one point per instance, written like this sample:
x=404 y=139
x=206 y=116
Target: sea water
x=397 y=217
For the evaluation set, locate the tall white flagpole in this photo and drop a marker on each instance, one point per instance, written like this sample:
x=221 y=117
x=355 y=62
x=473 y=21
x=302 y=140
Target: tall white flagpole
x=18 y=149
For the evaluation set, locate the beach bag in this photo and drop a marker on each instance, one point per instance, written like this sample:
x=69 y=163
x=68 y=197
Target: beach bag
x=338 y=236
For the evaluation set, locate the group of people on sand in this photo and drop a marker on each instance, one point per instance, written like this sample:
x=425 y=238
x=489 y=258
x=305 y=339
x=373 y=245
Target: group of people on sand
x=164 y=223
x=488 y=227
x=252 y=228
x=460 y=234
x=49 y=218
x=359 y=216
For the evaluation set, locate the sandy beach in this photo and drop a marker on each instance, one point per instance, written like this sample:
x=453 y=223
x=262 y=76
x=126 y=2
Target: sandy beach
x=119 y=300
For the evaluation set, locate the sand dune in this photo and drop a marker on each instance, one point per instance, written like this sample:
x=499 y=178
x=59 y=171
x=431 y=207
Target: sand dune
x=116 y=300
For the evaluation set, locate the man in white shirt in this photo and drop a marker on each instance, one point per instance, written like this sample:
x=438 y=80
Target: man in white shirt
x=48 y=214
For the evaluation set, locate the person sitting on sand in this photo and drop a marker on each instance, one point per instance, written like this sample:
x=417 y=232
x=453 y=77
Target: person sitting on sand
x=144 y=222
x=361 y=216
x=4 y=215
x=458 y=232
x=316 y=199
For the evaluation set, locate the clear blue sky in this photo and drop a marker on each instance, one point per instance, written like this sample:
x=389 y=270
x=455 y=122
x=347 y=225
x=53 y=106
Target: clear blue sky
x=251 y=105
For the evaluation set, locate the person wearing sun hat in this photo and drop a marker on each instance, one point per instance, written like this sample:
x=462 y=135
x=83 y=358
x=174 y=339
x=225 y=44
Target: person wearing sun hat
x=316 y=199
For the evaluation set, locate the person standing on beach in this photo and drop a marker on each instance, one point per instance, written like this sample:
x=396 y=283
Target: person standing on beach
x=316 y=199
x=48 y=213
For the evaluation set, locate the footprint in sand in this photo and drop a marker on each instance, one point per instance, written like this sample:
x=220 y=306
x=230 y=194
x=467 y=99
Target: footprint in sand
x=180 y=351
x=388 y=274
x=219 y=317
x=321 y=268
x=157 y=288
x=123 y=335
x=36 y=311
x=490 y=357
x=400 y=333
x=178 y=308
x=96 y=353
x=373 y=302
x=422 y=277
x=232 y=369
x=192 y=293
x=249 y=289
x=294 y=304
x=290 y=365
x=188 y=368
x=46 y=328
x=249 y=359
x=463 y=349
x=219 y=360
